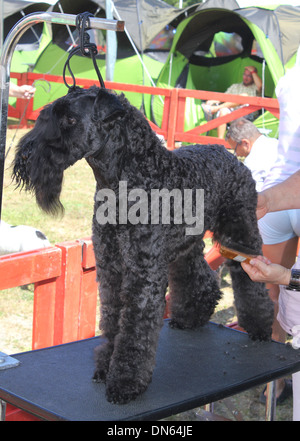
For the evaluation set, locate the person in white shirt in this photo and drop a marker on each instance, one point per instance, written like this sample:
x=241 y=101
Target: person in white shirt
x=261 y=155
x=259 y=151
x=283 y=196
x=280 y=230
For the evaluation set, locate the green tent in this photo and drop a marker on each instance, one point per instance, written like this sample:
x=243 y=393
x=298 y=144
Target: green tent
x=214 y=44
x=141 y=51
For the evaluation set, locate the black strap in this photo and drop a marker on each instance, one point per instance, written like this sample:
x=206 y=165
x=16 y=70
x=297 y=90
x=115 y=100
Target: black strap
x=85 y=47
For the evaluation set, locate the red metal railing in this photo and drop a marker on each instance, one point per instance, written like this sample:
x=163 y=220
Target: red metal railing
x=172 y=128
x=65 y=290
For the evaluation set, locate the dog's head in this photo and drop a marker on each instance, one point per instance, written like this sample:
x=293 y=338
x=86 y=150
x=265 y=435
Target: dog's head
x=72 y=127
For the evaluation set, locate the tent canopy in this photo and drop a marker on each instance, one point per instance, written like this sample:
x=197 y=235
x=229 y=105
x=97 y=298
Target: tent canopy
x=10 y=7
x=14 y=10
x=279 y=24
x=275 y=32
x=214 y=43
x=144 y=19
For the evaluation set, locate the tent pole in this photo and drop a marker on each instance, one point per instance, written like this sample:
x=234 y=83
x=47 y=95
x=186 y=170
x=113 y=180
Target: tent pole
x=68 y=27
x=1 y=22
x=111 y=46
x=7 y=52
x=134 y=46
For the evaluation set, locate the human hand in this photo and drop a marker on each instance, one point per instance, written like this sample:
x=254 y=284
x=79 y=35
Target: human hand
x=25 y=91
x=251 y=69
x=261 y=269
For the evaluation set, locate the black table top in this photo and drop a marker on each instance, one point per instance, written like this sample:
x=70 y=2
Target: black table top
x=193 y=368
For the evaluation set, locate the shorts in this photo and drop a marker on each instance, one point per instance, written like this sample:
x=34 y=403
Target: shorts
x=279 y=226
x=251 y=116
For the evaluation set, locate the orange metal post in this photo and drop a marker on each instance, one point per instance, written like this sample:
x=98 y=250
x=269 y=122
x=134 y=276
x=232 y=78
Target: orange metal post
x=44 y=314
x=88 y=292
x=172 y=119
x=68 y=294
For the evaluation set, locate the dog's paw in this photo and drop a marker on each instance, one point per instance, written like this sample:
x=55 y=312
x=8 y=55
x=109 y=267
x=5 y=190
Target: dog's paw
x=176 y=324
x=103 y=355
x=123 y=390
x=260 y=335
x=99 y=375
x=186 y=324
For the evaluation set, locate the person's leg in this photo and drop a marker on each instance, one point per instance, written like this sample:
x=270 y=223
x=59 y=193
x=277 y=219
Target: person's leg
x=280 y=246
x=296 y=396
x=283 y=253
x=289 y=318
x=221 y=130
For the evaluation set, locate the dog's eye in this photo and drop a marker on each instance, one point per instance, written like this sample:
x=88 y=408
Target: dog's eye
x=67 y=121
x=71 y=121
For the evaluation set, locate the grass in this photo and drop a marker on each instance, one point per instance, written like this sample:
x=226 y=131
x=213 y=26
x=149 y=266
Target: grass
x=16 y=304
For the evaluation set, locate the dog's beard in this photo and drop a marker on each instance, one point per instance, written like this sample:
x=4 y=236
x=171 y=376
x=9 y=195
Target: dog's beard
x=50 y=203
x=43 y=181
x=20 y=168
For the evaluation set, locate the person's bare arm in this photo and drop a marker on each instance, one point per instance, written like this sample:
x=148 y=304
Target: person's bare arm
x=25 y=91
x=283 y=196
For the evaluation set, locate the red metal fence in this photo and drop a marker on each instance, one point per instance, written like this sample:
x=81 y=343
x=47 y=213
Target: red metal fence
x=172 y=128
x=65 y=290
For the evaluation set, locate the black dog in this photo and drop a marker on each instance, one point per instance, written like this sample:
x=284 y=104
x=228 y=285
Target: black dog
x=139 y=249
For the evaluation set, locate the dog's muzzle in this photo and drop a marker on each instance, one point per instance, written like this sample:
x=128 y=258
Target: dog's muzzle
x=97 y=153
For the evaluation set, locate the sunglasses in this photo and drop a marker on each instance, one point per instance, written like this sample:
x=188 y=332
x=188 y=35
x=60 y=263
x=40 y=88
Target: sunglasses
x=236 y=146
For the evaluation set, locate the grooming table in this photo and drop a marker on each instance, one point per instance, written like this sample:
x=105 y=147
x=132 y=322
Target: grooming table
x=193 y=368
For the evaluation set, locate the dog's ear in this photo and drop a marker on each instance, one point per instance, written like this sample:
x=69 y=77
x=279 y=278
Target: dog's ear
x=107 y=107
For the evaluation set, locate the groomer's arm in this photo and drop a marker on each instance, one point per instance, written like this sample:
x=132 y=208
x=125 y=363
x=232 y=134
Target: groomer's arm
x=283 y=196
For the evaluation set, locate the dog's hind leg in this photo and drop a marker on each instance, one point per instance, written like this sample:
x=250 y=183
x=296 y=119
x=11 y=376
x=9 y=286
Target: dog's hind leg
x=253 y=305
x=194 y=289
x=238 y=229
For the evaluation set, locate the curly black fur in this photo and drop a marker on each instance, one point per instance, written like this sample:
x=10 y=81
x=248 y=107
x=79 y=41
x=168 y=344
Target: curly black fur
x=136 y=263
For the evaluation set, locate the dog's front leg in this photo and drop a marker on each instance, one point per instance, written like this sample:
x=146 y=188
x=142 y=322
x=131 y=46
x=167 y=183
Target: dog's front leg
x=109 y=276
x=133 y=359
x=110 y=306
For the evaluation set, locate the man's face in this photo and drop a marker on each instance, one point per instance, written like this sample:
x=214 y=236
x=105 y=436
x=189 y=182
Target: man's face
x=247 y=78
x=241 y=149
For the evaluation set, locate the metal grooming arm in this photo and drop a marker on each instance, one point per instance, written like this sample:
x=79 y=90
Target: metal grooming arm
x=7 y=52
